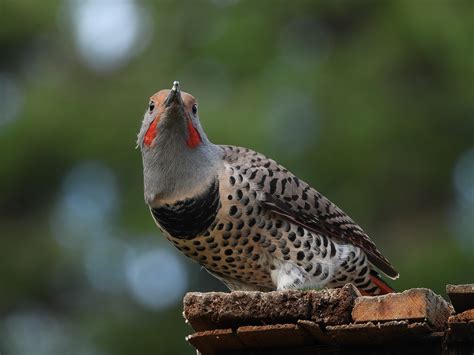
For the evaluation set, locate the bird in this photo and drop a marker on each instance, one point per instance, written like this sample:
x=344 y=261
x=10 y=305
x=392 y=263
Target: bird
x=243 y=217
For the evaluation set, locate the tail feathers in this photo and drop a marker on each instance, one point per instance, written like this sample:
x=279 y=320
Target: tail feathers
x=377 y=286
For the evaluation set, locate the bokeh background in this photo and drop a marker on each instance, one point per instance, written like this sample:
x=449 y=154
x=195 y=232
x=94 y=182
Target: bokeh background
x=372 y=102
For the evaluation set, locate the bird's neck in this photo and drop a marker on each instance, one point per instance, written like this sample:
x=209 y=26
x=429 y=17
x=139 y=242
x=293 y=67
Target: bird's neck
x=173 y=171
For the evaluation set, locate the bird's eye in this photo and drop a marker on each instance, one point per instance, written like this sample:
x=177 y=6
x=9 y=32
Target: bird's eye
x=151 y=106
x=195 y=109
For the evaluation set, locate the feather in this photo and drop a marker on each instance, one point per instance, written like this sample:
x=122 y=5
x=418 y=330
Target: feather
x=296 y=201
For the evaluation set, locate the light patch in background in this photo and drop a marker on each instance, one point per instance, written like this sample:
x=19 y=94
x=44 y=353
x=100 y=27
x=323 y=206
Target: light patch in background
x=37 y=332
x=461 y=218
x=291 y=121
x=156 y=278
x=11 y=98
x=108 y=34
x=461 y=221
x=103 y=265
x=464 y=177
x=87 y=203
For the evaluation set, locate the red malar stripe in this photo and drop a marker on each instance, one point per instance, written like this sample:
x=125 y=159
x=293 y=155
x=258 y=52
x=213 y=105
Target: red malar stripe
x=151 y=132
x=194 y=138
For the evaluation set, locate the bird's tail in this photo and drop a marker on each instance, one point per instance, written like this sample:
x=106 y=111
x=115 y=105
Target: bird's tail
x=377 y=286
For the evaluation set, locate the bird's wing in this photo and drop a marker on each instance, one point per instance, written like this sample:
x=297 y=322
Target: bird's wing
x=293 y=199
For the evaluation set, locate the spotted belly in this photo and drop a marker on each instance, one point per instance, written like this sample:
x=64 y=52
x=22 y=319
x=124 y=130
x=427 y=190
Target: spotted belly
x=249 y=248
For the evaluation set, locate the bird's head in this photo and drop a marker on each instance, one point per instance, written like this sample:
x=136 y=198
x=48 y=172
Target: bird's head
x=171 y=115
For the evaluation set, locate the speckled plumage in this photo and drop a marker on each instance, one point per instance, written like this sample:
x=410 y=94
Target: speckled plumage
x=255 y=226
x=249 y=246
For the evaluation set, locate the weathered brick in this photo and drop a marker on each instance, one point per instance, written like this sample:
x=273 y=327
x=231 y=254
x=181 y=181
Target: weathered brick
x=461 y=296
x=213 y=341
x=378 y=333
x=461 y=327
x=275 y=335
x=415 y=305
x=215 y=310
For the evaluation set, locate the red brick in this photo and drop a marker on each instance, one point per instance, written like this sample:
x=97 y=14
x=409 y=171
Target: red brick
x=415 y=305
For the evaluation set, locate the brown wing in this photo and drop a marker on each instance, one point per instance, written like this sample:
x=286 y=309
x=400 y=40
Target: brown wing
x=293 y=199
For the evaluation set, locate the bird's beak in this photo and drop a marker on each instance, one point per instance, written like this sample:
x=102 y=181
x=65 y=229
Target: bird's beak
x=174 y=95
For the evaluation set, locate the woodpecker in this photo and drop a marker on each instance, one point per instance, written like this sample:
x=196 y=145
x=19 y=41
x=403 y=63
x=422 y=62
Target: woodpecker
x=246 y=219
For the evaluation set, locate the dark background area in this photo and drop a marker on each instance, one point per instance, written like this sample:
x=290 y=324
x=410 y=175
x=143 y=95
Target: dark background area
x=372 y=102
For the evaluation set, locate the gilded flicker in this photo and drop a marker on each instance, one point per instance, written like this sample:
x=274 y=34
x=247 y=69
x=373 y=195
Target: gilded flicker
x=246 y=219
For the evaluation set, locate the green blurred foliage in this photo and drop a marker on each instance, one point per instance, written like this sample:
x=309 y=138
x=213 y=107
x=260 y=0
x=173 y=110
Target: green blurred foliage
x=390 y=86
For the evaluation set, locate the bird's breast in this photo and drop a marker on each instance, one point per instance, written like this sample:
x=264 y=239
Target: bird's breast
x=188 y=218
